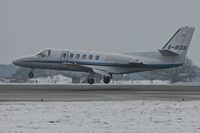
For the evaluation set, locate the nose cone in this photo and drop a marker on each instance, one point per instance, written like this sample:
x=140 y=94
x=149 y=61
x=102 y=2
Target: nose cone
x=14 y=62
x=24 y=62
x=17 y=62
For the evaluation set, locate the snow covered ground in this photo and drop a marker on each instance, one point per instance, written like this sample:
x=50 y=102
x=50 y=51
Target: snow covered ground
x=111 y=116
x=58 y=79
x=141 y=82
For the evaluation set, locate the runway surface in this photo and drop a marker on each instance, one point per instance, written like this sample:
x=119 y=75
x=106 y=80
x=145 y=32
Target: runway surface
x=83 y=92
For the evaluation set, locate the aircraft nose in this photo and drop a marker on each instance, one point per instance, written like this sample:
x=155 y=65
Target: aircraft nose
x=17 y=62
x=21 y=61
x=24 y=61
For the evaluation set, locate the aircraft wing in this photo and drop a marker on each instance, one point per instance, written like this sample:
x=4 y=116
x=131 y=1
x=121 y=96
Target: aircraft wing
x=84 y=68
x=101 y=72
x=87 y=68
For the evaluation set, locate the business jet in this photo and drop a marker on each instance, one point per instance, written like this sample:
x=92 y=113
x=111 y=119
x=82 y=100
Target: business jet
x=106 y=64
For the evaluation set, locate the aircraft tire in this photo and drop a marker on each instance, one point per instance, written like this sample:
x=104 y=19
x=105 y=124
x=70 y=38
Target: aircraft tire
x=30 y=74
x=106 y=79
x=91 y=81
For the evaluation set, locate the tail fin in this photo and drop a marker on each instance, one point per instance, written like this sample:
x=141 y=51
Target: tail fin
x=179 y=43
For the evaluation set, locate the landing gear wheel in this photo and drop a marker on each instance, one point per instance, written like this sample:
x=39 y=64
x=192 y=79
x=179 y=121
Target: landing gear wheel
x=106 y=79
x=91 y=81
x=31 y=74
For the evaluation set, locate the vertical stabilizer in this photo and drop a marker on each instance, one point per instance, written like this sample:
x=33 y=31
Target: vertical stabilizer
x=179 y=43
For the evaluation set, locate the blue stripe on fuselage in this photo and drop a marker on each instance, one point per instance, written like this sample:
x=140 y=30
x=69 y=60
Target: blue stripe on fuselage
x=115 y=64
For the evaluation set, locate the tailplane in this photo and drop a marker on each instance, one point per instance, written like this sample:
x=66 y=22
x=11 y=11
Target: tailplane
x=179 y=43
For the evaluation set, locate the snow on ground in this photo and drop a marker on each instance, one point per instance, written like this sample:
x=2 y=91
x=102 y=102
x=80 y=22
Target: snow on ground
x=4 y=80
x=58 y=79
x=141 y=82
x=111 y=116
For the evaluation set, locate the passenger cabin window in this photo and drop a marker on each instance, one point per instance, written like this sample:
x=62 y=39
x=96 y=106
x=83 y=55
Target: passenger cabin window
x=90 y=57
x=84 y=56
x=71 y=55
x=97 y=57
x=77 y=56
x=45 y=53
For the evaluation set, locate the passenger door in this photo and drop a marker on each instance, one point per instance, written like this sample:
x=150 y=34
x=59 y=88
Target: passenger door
x=64 y=59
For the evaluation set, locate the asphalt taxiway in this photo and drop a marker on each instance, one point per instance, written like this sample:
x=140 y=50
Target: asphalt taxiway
x=83 y=92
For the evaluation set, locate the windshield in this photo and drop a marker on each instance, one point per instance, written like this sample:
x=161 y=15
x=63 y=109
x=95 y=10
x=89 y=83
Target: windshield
x=44 y=53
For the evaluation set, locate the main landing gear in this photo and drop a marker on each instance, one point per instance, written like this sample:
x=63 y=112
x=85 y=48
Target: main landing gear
x=31 y=74
x=91 y=79
x=106 y=79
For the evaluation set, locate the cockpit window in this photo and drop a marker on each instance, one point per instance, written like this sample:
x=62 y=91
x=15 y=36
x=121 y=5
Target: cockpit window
x=40 y=54
x=45 y=53
x=49 y=52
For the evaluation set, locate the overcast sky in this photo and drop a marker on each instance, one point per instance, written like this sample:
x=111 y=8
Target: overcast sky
x=28 y=26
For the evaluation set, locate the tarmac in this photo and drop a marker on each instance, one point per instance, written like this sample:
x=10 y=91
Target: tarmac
x=84 y=92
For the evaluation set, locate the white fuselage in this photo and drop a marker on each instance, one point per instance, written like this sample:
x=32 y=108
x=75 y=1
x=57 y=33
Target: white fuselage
x=86 y=61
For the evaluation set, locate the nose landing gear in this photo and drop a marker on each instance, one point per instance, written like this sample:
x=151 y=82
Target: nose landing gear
x=31 y=74
x=91 y=81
